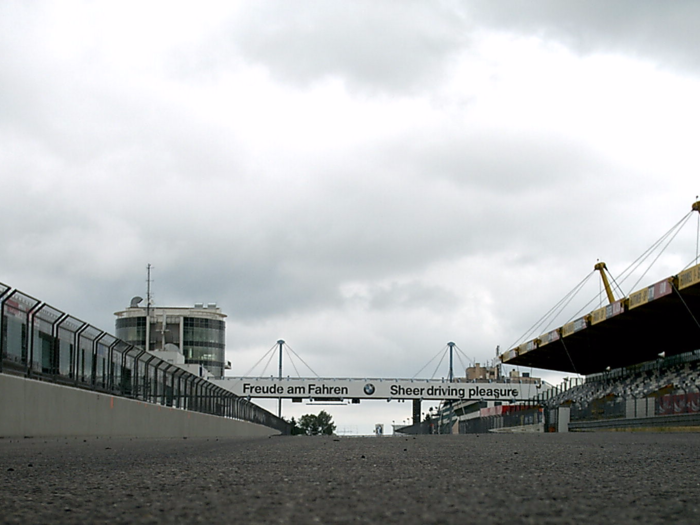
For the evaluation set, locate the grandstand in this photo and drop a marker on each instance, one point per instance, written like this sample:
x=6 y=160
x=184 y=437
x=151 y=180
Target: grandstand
x=640 y=356
x=664 y=392
x=653 y=379
x=664 y=387
x=628 y=331
x=634 y=329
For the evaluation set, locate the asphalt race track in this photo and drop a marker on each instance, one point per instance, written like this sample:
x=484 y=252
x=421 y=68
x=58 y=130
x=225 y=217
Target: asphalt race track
x=489 y=478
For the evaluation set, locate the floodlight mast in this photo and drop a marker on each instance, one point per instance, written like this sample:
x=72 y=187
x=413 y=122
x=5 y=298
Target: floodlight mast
x=148 y=307
x=148 y=291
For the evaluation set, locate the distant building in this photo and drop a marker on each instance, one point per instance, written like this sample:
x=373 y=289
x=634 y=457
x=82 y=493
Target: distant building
x=455 y=417
x=487 y=373
x=478 y=373
x=193 y=338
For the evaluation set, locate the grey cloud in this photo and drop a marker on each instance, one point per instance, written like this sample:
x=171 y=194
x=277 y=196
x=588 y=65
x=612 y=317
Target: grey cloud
x=660 y=31
x=251 y=291
x=296 y=254
x=269 y=253
x=505 y=162
x=412 y=295
x=373 y=46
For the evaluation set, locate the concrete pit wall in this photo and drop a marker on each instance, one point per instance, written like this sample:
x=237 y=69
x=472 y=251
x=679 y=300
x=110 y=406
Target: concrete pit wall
x=30 y=408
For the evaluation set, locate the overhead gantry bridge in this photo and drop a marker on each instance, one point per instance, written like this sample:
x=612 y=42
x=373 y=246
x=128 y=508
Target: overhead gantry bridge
x=353 y=390
x=356 y=389
x=660 y=319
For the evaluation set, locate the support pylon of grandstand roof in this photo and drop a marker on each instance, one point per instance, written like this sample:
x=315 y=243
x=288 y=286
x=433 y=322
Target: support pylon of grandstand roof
x=606 y=284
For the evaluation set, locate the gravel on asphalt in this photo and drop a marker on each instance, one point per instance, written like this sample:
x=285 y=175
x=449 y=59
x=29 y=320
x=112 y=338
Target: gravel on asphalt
x=479 y=478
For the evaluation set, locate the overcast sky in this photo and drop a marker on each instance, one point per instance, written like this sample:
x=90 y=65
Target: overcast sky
x=367 y=180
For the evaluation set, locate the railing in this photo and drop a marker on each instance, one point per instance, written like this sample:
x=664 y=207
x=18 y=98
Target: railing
x=649 y=366
x=523 y=416
x=546 y=396
x=39 y=341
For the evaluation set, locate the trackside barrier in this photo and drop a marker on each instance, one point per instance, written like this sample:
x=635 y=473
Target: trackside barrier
x=503 y=417
x=38 y=341
x=659 y=422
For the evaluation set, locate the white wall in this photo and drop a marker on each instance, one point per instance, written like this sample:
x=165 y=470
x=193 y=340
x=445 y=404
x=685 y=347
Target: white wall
x=564 y=419
x=31 y=408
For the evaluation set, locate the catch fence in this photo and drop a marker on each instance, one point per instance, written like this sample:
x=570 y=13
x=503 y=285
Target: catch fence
x=41 y=342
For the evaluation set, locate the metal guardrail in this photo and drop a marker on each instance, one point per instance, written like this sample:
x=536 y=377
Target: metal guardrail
x=526 y=416
x=678 y=420
x=39 y=341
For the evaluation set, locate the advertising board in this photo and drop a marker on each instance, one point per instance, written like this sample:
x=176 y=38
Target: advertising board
x=428 y=389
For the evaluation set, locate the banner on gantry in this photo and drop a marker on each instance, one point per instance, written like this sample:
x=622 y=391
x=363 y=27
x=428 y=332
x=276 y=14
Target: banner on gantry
x=319 y=388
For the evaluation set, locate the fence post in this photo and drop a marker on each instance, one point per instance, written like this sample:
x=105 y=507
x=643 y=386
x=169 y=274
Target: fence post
x=4 y=290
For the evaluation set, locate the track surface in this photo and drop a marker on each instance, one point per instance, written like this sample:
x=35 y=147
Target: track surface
x=490 y=478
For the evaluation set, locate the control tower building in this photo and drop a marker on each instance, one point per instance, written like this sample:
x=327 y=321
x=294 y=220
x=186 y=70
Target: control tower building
x=195 y=337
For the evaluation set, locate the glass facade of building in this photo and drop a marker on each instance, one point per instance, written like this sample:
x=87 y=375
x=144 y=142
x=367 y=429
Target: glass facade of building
x=132 y=330
x=198 y=333
x=204 y=342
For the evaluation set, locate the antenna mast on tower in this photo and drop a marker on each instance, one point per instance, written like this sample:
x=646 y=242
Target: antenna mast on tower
x=148 y=290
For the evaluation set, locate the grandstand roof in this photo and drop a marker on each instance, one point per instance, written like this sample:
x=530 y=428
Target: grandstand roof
x=664 y=317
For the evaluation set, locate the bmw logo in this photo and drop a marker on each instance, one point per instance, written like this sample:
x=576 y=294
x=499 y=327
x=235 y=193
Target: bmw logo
x=369 y=389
